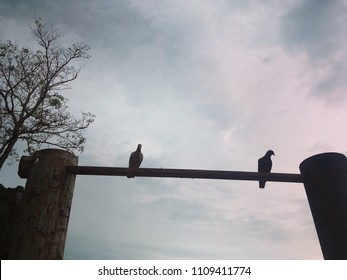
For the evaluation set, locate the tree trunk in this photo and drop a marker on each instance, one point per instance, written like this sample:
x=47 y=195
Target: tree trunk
x=7 y=151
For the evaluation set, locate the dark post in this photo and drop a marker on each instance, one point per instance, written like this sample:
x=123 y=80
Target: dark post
x=325 y=180
x=41 y=227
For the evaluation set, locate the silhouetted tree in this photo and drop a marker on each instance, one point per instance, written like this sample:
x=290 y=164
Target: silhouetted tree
x=31 y=106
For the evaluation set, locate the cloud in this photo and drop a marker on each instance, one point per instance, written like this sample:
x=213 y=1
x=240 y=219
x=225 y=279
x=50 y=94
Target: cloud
x=206 y=85
x=317 y=29
x=314 y=26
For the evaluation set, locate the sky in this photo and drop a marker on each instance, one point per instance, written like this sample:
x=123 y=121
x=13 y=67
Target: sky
x=208 y=84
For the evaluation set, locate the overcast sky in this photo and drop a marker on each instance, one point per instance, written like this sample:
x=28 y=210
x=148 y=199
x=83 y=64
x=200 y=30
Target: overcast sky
x=208 y=84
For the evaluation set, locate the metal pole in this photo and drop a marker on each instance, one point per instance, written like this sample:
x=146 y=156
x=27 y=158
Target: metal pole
x=184 y=173
x=326 y=188
x=41 y=227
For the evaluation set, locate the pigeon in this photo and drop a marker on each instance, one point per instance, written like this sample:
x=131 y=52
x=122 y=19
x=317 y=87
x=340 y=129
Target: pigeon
x=264 y=166
x=135 y=159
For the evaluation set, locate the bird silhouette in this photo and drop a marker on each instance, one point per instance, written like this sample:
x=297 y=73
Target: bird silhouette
x=264 y=166
x=135 y=159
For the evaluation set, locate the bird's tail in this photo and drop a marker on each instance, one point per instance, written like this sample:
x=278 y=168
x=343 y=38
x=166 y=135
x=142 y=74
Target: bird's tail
x=262 y=184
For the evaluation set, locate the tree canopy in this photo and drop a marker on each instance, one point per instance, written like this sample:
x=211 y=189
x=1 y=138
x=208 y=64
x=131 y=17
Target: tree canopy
x=32 y=108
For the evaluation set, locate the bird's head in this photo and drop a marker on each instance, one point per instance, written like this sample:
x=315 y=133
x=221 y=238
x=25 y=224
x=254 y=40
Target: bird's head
x=139 y=146
x=270 y=153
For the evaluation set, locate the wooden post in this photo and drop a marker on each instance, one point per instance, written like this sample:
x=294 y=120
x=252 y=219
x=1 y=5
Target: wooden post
x=41 y=227
x=326 y=188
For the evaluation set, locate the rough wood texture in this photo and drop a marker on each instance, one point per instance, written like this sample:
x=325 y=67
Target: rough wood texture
x=42 y=225
x=326 y=188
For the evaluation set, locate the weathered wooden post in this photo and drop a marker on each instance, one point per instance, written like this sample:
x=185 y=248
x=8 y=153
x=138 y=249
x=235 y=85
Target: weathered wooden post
x=41 y=227
x=326 y=188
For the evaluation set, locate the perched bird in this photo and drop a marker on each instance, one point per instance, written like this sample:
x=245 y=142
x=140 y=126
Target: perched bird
x=135 y=159
x=264 y=166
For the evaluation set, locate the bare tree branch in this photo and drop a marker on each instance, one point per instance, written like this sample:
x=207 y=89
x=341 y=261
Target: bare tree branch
x=31 y=107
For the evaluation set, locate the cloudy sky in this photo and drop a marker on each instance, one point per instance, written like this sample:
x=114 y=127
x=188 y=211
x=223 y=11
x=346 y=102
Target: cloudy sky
x=208 y=84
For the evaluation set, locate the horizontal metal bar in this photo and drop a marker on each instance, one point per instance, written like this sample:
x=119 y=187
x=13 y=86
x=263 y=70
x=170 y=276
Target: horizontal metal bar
x=185 y=173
